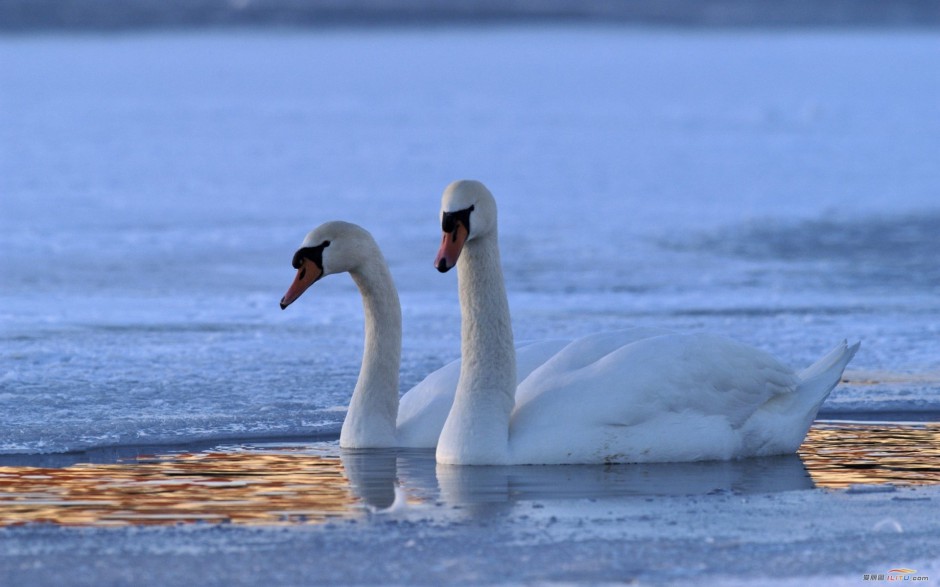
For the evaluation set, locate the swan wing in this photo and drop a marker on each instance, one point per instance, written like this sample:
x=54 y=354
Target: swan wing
x=663 y=397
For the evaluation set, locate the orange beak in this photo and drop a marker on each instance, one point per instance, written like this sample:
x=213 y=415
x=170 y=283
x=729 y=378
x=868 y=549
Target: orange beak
x=307 y=274
x=451 y=245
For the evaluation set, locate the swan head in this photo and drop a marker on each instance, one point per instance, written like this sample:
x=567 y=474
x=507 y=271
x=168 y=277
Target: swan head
x=332 y=247
x=468 y=211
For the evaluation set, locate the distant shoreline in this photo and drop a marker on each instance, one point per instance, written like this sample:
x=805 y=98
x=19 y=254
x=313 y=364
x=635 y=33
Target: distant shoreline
x=25 y=16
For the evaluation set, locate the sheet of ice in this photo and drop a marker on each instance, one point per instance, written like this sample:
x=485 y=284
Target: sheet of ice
x=779 y=188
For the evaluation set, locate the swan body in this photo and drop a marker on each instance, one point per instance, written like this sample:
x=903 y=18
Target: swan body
x=639 y=395
x=376 y=417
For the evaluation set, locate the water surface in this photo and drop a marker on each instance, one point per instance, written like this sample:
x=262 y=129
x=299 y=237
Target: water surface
x=301 y=483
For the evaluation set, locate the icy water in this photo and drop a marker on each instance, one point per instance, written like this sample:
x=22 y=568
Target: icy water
x=778 y=188
x=295 y=483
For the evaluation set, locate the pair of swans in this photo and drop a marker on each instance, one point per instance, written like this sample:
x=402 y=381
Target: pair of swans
x=638 y=395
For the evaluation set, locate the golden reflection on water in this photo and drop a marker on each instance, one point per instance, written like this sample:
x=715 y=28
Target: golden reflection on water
x=287 y=485
x=238 y=487
x=840 y=455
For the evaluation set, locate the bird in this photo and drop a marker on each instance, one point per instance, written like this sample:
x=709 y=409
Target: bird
x=628 y=396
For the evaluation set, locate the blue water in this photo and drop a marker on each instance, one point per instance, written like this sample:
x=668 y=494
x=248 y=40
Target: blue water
x=778 y=188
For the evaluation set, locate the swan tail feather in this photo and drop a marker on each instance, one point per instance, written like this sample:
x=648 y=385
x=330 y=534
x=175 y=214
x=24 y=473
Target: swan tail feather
x=820 y=378
x=782 y=427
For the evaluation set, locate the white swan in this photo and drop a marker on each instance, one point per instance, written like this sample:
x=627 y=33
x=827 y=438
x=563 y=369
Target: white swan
x=641 y=395
x=376 y=418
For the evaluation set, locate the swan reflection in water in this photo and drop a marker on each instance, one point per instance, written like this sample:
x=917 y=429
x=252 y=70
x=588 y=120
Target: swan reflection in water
x=373 y=475
x=834 y=456
x=290 y=483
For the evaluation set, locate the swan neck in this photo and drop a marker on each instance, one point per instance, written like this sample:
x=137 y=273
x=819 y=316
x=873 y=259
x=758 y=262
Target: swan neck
x=373 y=409
x=486 y=326
x=477 y=429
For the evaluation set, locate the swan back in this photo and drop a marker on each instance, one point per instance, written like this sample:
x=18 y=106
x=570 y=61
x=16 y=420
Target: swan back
x=663 y=397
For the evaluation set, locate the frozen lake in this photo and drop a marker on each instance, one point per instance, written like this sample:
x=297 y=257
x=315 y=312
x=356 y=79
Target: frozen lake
x=778 y=188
